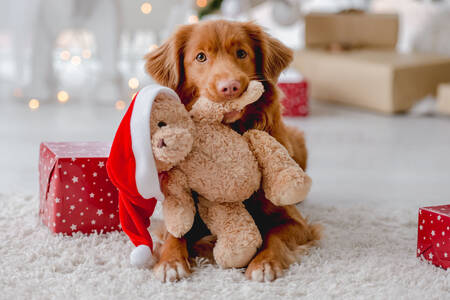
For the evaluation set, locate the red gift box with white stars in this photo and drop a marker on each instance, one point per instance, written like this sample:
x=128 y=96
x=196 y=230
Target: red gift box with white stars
x=433 y=238
x=76 y=194
x=295 y=89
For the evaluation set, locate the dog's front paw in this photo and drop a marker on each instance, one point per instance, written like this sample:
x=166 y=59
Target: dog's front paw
x=172 y=270
x=264 y=270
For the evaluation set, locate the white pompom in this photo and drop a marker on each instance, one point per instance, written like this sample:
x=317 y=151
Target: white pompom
x=141 y=256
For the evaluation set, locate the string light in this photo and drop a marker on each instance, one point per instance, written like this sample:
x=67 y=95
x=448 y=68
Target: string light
x=86 y=53
x=146 y=8
x=65 y=55
x=133 y=83
x=33 y=104
x=120 y=105
x=76 y=60
x=62 y=96
x=202 y=3
x=193 y=19
x=152 y=47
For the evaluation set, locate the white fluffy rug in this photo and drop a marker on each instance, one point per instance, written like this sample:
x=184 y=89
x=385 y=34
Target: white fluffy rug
x=366 y=253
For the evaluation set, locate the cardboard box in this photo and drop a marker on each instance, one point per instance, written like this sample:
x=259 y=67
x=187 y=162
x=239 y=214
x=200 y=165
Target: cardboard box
x=384 y=81
x=362 y=30
x=76 y=194
x=443 y=98
x=433 y=235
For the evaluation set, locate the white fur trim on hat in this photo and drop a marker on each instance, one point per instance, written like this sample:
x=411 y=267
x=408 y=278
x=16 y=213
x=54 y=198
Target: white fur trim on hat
x=141 y=256
x=147 y=181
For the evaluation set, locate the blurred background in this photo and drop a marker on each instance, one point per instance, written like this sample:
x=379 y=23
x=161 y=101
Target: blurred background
x=69 y=68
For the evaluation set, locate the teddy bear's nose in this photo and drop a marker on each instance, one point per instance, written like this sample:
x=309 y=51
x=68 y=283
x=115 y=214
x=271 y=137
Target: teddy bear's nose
x=161 y=143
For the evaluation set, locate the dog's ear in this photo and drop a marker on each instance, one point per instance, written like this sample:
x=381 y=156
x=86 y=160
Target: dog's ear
x=165 y=63
x=271 y=55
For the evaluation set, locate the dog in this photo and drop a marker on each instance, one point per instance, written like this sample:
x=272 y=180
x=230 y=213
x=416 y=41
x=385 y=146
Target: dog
x=217 y=59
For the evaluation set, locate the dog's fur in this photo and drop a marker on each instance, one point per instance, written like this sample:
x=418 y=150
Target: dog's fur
x=285 y=232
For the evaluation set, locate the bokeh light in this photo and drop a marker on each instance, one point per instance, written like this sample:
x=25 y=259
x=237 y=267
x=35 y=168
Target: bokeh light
x=76 y=60
x=146 y=8
x=33 y=104
x=120 y=105
x=202 y=3
x=62 y=96
x=193 y=19
x=133 y=83
x=65 y=55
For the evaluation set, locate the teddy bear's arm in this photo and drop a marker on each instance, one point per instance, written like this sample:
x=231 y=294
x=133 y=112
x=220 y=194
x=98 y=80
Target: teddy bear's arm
x=206 y=110
x=178 y=206
x=283 y=181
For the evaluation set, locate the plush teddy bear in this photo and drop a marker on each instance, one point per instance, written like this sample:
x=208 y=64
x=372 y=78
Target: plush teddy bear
x=224 y=168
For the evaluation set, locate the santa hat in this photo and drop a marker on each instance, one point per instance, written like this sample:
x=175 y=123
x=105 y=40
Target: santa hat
x=131 y=168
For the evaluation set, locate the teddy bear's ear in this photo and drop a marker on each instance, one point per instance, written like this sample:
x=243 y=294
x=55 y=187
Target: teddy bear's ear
x=165 y=63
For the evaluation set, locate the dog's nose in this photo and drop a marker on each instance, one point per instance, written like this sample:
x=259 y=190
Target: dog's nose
x=229 y=88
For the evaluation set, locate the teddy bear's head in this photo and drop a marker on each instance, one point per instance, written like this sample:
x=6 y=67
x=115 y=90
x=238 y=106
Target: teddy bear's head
x=172 y=132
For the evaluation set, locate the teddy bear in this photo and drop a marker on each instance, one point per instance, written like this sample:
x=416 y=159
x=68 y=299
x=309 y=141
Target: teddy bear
x=197 y=153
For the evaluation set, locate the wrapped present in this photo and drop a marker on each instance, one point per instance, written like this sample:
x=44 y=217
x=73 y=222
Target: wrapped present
x=443 y=99
x=433 y=238
x=384 y=81
x=295 y=90
x=351 y=29
x=76 y=194
x=351 y=58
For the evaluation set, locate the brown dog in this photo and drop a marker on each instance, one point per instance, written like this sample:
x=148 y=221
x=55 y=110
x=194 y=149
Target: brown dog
x=217 y=59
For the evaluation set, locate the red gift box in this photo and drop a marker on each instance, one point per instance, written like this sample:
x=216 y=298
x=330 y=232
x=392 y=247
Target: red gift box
x=76 y=194
x=433 y=238
x=295 y=89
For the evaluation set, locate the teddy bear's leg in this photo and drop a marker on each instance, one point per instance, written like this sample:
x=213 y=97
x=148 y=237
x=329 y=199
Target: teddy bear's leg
x=284 y=182
x=238 y=238
x=178 y=205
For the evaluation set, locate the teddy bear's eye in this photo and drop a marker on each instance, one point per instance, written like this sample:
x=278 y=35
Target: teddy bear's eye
x=161 y=124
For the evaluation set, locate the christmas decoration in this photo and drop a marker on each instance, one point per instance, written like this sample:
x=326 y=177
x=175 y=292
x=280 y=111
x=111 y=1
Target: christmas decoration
x=295 y=90
x=443 y=99
x=76 y=194
x=433 y=238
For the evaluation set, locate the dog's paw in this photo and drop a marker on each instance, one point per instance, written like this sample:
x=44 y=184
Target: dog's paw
x=173 y=270
x=264 y=270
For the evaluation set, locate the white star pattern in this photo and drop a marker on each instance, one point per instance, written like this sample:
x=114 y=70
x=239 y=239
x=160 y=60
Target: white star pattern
x=443 y=233
x=445 y=254
x=438 y=245
x=433 y=233
x=420 y=227
x=418 y=251
x=438 y=217
x=430 y=255
x=78 y=187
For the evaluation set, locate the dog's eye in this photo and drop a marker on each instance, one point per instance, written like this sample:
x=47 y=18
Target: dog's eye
x=161 y=124
x=201 y=57
x=241 y=53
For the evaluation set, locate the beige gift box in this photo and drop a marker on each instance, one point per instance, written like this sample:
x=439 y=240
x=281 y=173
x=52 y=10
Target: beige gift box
x=371 y=74
x=444 y=98
x=384 y=81
x=351 y=29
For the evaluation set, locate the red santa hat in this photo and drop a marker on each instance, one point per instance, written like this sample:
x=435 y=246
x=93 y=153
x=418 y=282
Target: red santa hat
x=131 y=168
